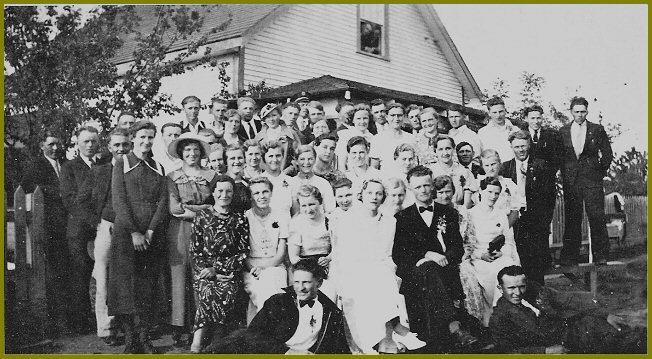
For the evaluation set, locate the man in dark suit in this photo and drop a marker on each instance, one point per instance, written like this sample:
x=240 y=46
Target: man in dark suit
x=44 y=173
x=535 y=179
x=427 y=252
x=95 y=197
x=250 y=126
x=586 y=159
x=80 y=229
x=465 y=155
x=546 y=142
x=534 y=319
x=299 y=320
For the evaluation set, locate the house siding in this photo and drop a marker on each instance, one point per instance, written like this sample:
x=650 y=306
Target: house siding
x=313 y=40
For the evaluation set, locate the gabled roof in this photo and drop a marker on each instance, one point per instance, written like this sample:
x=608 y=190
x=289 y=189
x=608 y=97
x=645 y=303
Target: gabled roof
x=328 y=85
x=232 y=19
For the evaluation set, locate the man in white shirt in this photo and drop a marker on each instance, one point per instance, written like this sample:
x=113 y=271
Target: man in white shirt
x=460 y=133
x=191 y=106
x=169 y=132
x=301 y=320
x=494 y=134
x=379 y=114
x=384 y=144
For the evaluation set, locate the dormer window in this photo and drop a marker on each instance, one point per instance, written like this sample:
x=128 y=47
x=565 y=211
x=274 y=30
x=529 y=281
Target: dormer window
x=372 y=30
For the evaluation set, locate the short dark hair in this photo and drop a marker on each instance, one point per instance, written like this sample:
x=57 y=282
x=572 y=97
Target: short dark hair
x=326 y=136
x=533 y=108
x=268 y=145
x=490 y=181
x=462 y=144
x=404 y=147
x=579 y=101
x=457 y=108
x=342 y=182
x=290 y=104
x=307 y=190
x=495 y=101
x=521 y=135
x=441 y=181
x=240 y=100
x=310 y=265
x=251 y=143
x=512 y=271
x=376 y=102
x=185 y=142
x=396 y=105
x=263 y=180
x=442 y=138
x=363 y=107
x=413 y=107
x=118 y=132
x=357 y=140
x=142 y=125
x=224 y=178
x=221 y=100
x=418 y=171
x=170 y=124
x=190 y=99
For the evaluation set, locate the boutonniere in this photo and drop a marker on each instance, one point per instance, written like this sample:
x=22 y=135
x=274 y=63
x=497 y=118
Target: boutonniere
x=441 y=225
x=285 y=183
x=507 y=192
x=498 y=225
x=462 y=181
x=275 y=225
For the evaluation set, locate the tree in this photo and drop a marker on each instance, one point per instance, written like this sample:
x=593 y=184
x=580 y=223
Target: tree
x=628 y=174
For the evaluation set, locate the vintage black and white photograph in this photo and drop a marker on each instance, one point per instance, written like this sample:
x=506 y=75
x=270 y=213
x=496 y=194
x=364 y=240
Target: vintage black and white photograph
x=326 y=179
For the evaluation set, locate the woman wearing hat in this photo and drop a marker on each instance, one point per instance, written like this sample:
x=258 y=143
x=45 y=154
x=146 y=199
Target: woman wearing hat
x=190 y=189
x=276 y=130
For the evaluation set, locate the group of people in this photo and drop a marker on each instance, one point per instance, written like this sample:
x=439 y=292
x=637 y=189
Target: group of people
x=392 y=223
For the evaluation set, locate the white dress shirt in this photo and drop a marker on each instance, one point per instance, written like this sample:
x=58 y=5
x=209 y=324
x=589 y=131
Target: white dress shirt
x=495 y=137
x=521 y=177
x=308 y=328
x=578 y=136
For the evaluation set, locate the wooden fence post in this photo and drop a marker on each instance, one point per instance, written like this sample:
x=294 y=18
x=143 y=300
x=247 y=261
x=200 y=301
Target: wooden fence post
x=20 y=255
x=38 y=300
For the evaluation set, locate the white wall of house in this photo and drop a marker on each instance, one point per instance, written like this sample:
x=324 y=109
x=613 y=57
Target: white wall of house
x=314 y=40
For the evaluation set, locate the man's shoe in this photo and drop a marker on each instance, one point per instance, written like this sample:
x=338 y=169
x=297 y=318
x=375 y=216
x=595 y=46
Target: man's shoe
x=462 y=338
x=111 y=340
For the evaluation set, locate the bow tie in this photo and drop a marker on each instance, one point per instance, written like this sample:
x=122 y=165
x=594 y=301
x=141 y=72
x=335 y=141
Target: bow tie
x=308 y=302
x=423 y=209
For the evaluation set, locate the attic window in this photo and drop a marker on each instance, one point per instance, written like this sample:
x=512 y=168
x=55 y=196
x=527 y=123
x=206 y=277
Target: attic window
x=372 y=30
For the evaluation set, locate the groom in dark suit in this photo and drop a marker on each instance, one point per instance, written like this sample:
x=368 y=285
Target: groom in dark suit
x=586 y=159
x=427 y=252
x=535 y=179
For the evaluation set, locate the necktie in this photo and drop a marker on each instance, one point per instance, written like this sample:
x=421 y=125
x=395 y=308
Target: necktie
x=522 y=178
x=423 y=209
x=308 y=302
x=92 y=161
x=57 y=168
x=536 y=136
x=252 y=129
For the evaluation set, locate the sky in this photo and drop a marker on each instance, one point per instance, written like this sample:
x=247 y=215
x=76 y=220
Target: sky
x=596 y=51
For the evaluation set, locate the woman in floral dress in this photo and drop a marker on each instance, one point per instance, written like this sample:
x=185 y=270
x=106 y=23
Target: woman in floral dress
x=220 y=244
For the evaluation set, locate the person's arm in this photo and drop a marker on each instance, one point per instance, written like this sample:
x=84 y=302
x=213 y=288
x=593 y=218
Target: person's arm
x=454 y=242
x=161 y=208
x=120 y=198
x=294 y=243
x=85 y=199
x=606 y=154
x=199 y=260
x=177 y=209
x=68 y=186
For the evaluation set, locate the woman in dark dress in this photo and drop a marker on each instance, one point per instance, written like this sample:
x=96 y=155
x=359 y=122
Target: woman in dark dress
x=191 y=190
x=140 y=202
x=219 y=247
x=235 y=164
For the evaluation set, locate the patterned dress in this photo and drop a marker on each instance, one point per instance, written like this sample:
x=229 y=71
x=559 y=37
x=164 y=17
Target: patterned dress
x=221 y=242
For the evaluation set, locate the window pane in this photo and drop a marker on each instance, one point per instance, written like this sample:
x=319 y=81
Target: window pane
x=370 y=37
x=373 y=12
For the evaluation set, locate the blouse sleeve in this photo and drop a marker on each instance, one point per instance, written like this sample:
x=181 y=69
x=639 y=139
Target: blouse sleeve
x=472 y=247
x=240 y=242
x=119 y=194
x=283 y=226
x=176 y=208
x=199 y=261
x=294 y=234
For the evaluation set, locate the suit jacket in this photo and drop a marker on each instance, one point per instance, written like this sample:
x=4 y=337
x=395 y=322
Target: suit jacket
x=476 y=170
x=593 y=163
x=548 y=148
x=73 y=175
x=540 y=187
x=516 y=328
x=95 y=194
x=244 y=135
x=41 y=173
x=414 y=238
x=277 y=321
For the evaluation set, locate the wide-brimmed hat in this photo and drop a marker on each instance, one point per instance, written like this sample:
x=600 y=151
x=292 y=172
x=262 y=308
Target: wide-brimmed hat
x=172 y=148
x=267 y=109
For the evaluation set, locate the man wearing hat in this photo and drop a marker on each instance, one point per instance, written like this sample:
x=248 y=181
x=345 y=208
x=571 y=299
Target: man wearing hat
x=302 y=99
x=250 y=126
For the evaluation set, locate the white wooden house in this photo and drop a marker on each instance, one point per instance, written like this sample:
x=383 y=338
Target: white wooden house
x=390 y=51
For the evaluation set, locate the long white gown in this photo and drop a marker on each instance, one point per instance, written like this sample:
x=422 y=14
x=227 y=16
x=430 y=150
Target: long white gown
x=488 y=225
x=364 y=274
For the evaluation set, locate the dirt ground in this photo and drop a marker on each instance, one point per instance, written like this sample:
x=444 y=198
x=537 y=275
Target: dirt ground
x=623 y=292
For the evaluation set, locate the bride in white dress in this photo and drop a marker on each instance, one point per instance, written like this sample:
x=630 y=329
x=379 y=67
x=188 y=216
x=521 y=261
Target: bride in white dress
x=364 y=273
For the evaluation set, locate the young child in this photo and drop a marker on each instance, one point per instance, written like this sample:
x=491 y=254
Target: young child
x=310 y=236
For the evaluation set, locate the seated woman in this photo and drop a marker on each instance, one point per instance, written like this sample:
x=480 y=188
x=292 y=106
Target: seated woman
x=509 y=201
x=190 y=189
x=365 y=275
x=463 y=179
x=253 y=160
x=489 y=222
x=443 y=190
x=219 y=247
x=235 y=158
x=268 y=233
x=309 y=233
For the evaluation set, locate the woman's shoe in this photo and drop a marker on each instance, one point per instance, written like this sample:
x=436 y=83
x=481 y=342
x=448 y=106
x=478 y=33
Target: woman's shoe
x=409 y=340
